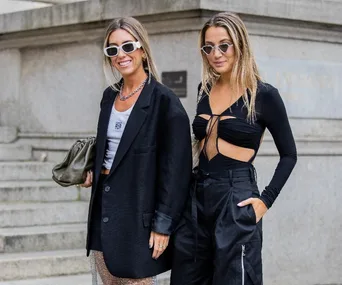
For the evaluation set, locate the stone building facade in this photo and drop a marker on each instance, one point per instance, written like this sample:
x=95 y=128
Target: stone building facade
x=52 y=82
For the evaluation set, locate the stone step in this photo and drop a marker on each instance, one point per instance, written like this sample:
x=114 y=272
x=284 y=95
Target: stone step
x=37 y=191
x=10 y=152
x=38 y=214
x=42 y=238
x=16 y=266
x=30 y=170
x=8 y=134
x=83 y=279
x=163 y=279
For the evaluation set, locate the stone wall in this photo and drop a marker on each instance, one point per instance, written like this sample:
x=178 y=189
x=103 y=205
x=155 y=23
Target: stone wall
x=52 y=82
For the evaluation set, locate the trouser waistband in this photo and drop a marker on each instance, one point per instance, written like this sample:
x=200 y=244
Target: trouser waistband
x=230 y=174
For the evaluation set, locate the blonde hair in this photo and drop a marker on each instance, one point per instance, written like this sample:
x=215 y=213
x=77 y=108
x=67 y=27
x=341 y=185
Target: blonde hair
x=245 y=73
x=136 y=29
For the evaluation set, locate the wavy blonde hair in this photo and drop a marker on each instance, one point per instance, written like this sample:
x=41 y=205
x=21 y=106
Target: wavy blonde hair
x=245 y=73
x=136 y=29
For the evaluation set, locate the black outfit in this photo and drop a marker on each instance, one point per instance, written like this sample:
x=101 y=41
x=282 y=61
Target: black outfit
x=147 y=185
x=218 y=242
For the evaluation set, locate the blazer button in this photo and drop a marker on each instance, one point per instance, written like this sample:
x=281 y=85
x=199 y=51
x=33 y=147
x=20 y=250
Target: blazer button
x=107 y=189
x=105 y=219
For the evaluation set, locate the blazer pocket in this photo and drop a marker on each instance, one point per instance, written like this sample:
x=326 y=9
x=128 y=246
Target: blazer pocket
x=145 y=149
x=147 y=219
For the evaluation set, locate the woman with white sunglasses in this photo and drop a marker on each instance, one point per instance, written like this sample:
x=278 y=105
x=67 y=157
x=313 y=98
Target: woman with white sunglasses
x=219 y=239
x=142 y=164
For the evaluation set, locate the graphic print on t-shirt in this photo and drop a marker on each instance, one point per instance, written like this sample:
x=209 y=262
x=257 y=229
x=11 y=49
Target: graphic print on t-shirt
x=118 y=125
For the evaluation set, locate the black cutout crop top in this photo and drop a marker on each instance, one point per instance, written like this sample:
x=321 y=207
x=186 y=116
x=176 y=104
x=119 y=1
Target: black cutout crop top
x=270 y=114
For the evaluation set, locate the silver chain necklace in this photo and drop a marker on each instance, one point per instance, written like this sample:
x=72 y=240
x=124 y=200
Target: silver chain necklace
x=124 y=98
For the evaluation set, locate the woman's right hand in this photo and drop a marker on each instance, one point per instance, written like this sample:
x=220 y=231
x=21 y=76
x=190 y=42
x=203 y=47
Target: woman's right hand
x=89 y=180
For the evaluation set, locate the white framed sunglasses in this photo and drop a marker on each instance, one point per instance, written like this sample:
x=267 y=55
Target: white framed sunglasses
x=207 y=49
x=127 y=48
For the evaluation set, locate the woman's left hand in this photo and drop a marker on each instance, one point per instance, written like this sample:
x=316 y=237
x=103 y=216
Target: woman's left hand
x=258 y=205
x=159 y=242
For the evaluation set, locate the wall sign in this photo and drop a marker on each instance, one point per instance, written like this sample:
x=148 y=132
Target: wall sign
x=176 y=81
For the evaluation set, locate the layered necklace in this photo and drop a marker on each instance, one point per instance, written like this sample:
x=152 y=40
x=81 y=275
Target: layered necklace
x=124 y=98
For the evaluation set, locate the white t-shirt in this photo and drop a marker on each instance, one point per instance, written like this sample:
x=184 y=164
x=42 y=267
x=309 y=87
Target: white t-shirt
x=116 y=127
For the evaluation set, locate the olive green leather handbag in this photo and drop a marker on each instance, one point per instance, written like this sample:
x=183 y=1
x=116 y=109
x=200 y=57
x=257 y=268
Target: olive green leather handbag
x=79 y=159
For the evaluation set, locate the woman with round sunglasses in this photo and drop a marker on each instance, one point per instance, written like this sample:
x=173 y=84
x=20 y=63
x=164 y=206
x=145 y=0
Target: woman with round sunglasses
x=219 y=239
x=142 y=166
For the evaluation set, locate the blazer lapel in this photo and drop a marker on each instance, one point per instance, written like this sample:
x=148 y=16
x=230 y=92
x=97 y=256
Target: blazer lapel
x=101 y=139
x=134 y=123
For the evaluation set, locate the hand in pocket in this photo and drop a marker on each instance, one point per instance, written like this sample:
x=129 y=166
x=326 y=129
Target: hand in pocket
x=258 y=205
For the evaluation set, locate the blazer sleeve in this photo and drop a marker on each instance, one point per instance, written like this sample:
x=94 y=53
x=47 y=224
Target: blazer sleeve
x=174 y=165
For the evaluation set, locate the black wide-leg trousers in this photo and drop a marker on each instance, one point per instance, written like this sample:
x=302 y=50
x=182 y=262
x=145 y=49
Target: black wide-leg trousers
x=218 y=242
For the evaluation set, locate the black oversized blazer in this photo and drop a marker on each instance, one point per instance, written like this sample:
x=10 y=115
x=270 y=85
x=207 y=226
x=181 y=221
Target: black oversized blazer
x=148 y=183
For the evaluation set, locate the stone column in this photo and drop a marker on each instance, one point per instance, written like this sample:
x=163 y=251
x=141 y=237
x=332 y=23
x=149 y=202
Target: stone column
x=10 y=82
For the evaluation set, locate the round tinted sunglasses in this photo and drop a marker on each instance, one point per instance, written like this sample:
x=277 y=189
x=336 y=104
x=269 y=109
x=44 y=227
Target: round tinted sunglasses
x=127 y=48
x=207 y=49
